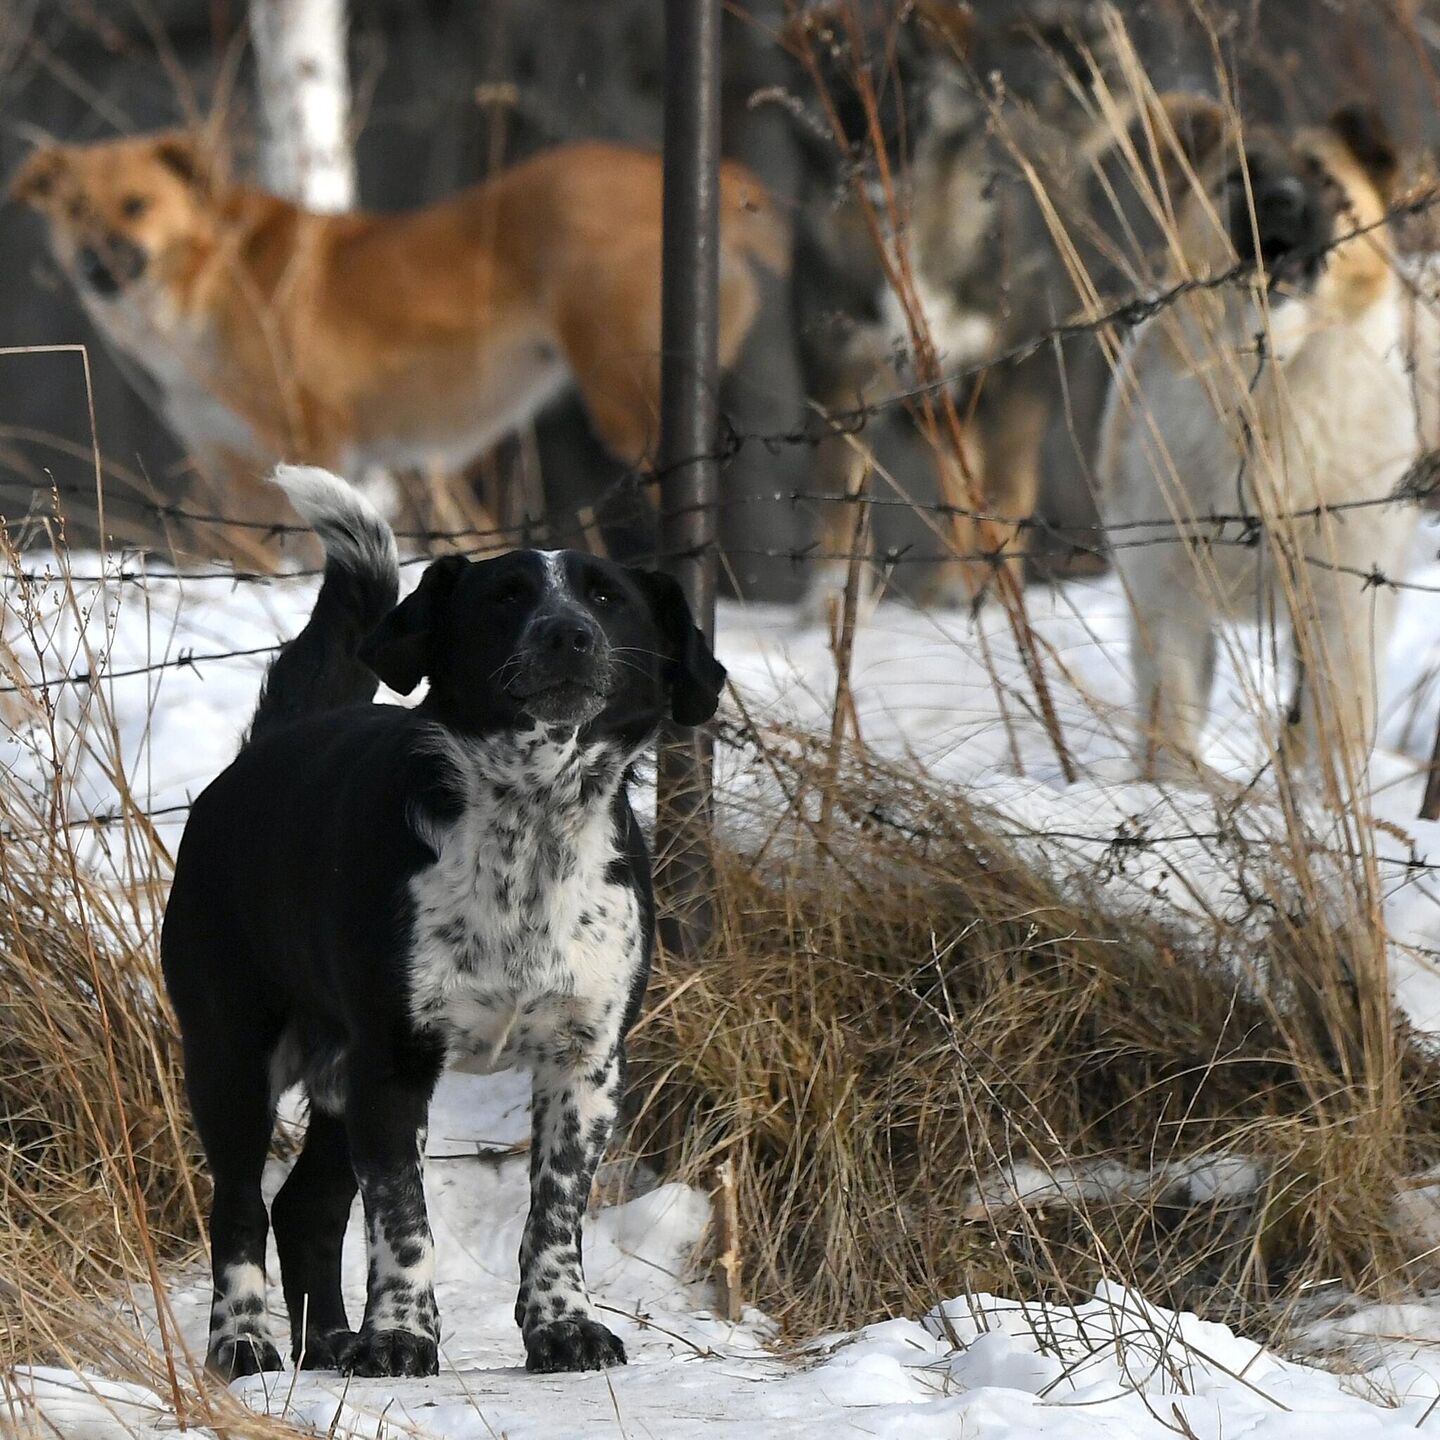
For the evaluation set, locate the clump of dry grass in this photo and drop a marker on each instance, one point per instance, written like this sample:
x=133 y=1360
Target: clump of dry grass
x=97 y=1159
x=899 y=1006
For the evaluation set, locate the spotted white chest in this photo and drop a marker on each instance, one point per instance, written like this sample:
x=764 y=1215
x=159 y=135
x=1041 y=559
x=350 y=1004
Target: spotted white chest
x=527 y=932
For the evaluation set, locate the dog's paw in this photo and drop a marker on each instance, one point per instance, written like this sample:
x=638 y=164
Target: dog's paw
x=572 y=1345
x=322 y=1351
x=388 y=1352
x=238 y=1355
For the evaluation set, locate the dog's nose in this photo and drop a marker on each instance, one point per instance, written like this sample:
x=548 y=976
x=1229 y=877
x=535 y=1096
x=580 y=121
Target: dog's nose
x=566 y=636
x=111 y=264
x=1282 y=199
x=95 y=272
x=1282 y=213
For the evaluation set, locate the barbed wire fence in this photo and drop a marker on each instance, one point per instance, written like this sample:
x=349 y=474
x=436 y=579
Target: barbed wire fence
x=1238 y=528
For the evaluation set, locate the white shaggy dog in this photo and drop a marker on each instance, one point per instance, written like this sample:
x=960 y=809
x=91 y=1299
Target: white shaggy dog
x=1271 y=399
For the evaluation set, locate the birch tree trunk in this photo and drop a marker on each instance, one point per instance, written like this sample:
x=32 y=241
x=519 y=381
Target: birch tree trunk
x=304 y=92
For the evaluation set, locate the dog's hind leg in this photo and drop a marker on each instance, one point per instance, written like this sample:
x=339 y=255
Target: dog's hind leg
x=840 y=474
x=1340 y=633
x=309 y=1215
x=387 y=1102
x=1012 y=433
x=572 y=1115
x=229 y=1088
x=609 y=329
x=1174 y=659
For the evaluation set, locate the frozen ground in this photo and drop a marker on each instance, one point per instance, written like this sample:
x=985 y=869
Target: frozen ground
x=978 y=1366
x=987 y=1367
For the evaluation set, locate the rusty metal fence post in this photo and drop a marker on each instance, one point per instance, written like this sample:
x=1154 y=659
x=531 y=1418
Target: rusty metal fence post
x=689 y=427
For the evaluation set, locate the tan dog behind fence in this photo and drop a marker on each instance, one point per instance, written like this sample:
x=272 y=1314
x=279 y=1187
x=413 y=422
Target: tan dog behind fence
x=366 y=341
x=1289 y=396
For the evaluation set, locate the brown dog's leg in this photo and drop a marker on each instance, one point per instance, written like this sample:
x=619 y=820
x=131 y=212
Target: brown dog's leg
x=957 y=581
x=837 y=479
x=1012 y=430
x=609 y=328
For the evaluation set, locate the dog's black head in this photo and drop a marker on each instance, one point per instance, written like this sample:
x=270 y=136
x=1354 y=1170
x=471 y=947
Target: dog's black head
x=558 y=636
x=1283 y=208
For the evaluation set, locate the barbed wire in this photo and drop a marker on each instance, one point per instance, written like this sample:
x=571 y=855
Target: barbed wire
x=1421 y=483
x=186 y=660
x=1126 y=839
x=887 y=558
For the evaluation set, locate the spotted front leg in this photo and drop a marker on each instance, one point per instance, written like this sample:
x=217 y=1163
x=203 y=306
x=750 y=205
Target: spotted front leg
x=240 y=1342
x=573 y=1114
x=400 y=1334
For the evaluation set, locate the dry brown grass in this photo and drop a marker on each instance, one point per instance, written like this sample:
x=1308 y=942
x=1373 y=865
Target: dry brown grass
x=96 y=1156
x=891 y=1011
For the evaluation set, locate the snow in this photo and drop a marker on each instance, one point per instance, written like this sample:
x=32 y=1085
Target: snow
x=1193 y=1180
x=49 y=1401
x=925 y=686
x=978 y=1365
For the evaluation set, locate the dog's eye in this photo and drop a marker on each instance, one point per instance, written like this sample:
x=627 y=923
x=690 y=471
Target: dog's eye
x=602 y=594
x=511 y=593
x=132 y=207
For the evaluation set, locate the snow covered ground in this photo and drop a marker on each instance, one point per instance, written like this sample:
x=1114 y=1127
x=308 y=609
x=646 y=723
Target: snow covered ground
x=980 y=1365
x=977 y=1366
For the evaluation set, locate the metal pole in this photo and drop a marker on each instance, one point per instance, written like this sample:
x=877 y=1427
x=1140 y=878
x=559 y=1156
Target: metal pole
x=689 y=428
x=1430 y=805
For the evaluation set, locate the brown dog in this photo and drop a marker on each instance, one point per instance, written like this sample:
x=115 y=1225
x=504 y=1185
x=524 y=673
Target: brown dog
x=362 y=340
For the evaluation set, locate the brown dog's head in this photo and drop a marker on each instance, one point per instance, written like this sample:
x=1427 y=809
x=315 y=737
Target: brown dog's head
x=120 y=211
x=1281 y=204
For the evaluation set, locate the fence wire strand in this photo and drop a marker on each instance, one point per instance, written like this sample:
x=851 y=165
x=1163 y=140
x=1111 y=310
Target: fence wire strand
x=1241 y=529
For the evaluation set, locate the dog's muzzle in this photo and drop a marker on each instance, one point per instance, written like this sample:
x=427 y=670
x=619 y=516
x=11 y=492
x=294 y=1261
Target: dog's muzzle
x=562 y=673
x=107 y=268
x=1293 y=232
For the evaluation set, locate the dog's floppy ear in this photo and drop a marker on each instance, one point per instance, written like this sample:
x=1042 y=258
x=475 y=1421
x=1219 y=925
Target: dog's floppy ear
x=693 y=673
x=1179 y=133
x=37 y=176
x=400 y=648
x=1367 y=137
x=181 y=155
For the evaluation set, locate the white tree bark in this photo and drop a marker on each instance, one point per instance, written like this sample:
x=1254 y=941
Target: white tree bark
x=304 y=93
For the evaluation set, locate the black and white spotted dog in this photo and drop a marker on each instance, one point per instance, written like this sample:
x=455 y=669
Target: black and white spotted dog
x=371 y=893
